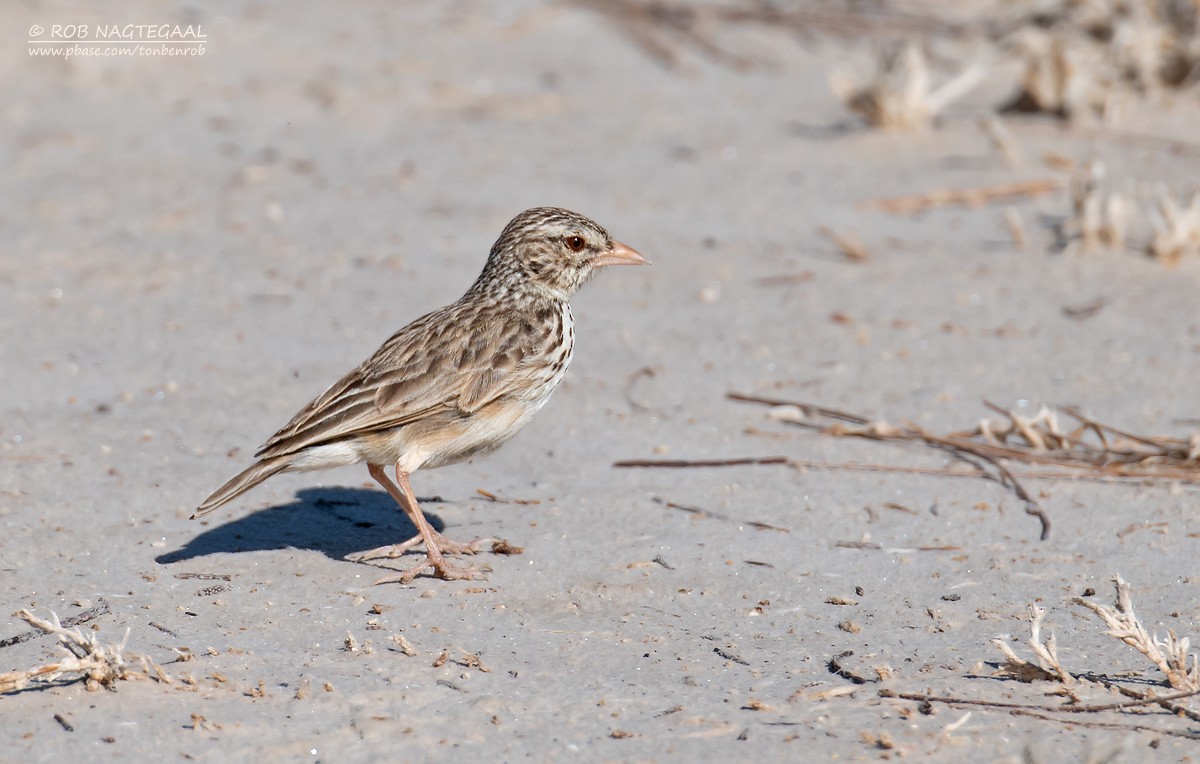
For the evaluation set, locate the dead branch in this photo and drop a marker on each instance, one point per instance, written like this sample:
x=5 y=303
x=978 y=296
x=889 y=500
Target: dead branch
x=700 y=512
x=806 y=415
x=848 y=244
x=1102 y=450
x=1070 y=709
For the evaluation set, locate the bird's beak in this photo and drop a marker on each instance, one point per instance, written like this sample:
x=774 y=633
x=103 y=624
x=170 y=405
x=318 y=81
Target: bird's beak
x=620 y=255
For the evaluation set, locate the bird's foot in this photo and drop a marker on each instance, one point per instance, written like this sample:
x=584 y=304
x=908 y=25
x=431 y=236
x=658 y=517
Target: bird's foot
x=441 y=569
x=449 y=546
x=392 y=551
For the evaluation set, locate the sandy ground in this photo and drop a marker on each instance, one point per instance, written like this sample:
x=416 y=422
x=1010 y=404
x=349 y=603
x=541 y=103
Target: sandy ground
x=194 y=247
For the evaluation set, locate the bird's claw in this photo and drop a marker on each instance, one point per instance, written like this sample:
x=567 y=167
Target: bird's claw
x=444 y=545
x=441 y=569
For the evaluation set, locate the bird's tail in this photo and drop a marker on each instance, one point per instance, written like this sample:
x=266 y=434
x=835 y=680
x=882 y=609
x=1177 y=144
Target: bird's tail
x=242 y=482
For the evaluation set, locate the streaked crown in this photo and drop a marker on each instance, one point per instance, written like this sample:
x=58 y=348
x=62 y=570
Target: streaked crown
x=550 y=249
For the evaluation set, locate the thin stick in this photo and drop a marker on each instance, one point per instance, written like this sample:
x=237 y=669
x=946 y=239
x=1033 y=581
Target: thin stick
x=848 y=244
x=680 y=463
x=1136 y=438
x=1164 y=701
x=1123 y=477
x=1057 y=709
x=1036 y=712
x=1006 y=477
x=1107 y=725
x=959 y=448
x=968 y=197
x=644 y=372
x=807 y=408
x=783 y=279
x=701 y=512
x=87 y=615
x=1106 y=451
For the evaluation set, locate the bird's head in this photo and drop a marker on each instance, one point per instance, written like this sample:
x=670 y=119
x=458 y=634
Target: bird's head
x=556 y=250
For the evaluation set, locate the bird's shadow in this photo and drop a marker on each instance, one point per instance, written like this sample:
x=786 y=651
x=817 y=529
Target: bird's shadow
x=333 y=521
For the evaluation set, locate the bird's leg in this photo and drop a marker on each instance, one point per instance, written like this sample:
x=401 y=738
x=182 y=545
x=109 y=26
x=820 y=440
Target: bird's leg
x=392 y=551
x=435 y=543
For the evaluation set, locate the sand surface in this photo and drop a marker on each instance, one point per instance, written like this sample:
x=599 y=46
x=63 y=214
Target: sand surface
x=193 y=247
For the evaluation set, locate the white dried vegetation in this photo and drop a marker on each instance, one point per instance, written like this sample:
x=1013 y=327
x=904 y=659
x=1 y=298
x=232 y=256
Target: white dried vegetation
x=1170 y=655
x=85 y=657
x=900 y=94
x=1046 y=665
x=1176 y=228
x=1100 y=217
x=1167 y=229
x=1080 y=54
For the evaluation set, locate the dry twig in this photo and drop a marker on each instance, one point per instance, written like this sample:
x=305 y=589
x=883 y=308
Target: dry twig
x=1073 y=709
x=700 y=512
x=965 y=197
x=683 y=463
x=101 y=608
x=1105 y=452
x=848 y=244
x=1040 y=439
x=845 y=424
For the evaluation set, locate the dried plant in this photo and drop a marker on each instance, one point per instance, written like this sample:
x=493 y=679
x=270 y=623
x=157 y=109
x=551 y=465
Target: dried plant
x=977 y=196
x=1099 y=218
x=1169 y=655
x=1080 y=53
x=84 y=655
x=1001 y=139
x=1176 y=229
x=848 y=244
x=1089 y=445
x=1079 y=56
x=1062 y=76
x=900 y=95
x=1046 y=654
x=663 y=29
x=1016 y=228
x=1103 y=218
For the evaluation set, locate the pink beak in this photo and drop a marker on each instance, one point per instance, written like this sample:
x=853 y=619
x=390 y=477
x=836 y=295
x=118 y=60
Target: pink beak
x=620 y=255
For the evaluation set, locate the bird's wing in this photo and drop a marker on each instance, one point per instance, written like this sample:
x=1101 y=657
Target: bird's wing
x=442 y=361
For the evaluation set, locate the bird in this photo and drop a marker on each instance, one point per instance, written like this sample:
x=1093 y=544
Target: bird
x=455 y=383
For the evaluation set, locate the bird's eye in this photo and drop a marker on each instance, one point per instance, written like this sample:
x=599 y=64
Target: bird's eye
x=575 y=243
